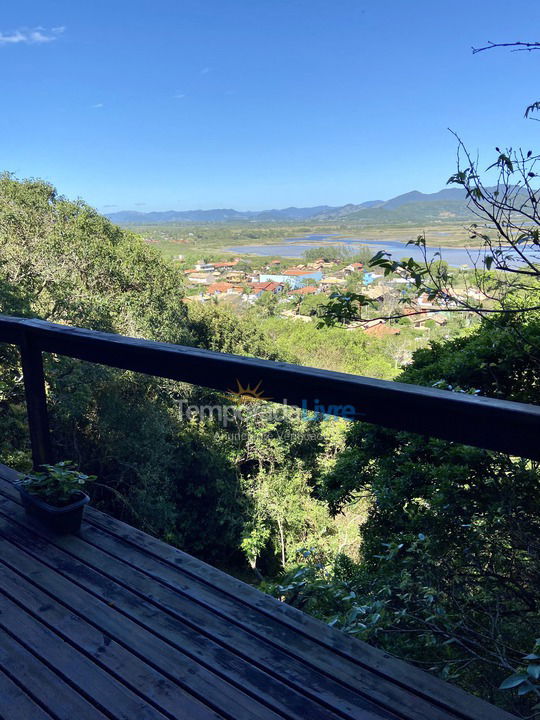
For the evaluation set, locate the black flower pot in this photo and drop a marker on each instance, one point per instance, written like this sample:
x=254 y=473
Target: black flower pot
x=61 y=520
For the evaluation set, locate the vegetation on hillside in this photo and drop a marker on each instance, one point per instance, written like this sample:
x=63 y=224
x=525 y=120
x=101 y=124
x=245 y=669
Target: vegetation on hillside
x=445 y=569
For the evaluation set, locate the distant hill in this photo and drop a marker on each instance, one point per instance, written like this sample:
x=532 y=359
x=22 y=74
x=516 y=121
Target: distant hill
x=445 y=205
x=128 y=217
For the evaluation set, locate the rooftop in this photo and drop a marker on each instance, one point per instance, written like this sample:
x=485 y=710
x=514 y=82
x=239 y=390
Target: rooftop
x=270 y=286
x=307 y=290
x=230 y=263
x=219 y=287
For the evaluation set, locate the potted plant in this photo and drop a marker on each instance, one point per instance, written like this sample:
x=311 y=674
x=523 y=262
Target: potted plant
x=56 y=496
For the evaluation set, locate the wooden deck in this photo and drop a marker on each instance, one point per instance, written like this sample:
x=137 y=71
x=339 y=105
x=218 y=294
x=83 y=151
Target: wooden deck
x=116 y=624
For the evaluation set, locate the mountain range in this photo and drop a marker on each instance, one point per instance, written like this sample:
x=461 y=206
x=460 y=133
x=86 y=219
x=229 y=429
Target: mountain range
x=446 y=205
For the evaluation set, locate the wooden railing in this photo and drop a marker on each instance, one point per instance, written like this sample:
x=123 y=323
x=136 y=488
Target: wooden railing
x=501 y=425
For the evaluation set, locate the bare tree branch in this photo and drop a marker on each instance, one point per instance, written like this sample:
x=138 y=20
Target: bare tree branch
x=517 y=46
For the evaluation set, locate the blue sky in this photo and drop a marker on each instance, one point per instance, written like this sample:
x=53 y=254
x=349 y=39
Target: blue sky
x=252 y=104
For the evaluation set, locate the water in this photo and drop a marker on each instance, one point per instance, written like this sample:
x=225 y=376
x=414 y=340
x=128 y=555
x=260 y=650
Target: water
x=296 y=247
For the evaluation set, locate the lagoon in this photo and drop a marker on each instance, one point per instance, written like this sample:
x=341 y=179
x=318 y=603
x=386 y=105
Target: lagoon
x=296 y=247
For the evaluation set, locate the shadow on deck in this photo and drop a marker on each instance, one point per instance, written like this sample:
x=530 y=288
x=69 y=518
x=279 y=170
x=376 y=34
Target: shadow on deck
x=113 y=623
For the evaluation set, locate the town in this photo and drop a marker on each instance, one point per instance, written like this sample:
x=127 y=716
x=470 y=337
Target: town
x=300 y=291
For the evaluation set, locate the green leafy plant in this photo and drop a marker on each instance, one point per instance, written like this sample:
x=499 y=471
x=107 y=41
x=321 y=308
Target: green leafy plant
x=526 y=679
x=57 y=484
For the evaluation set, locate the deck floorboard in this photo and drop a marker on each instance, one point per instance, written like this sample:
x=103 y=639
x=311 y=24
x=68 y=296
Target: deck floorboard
x=125 y=626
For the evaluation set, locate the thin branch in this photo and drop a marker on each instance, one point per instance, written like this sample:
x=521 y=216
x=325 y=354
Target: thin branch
x=518 y=46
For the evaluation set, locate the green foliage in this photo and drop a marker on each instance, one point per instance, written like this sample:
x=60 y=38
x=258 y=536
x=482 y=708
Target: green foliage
x=446 y=569
x=449 y=546
x=339 y=254
x=526 y=680
x=213 y=491
x=216 y=327
x=267 y=304
x=333 y=348
x=64 y=262
x=279 y=466
x=313 y=305
x=343 y=308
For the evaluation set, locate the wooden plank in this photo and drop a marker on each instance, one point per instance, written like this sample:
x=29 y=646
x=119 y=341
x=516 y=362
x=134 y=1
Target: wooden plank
x=371 y=674
x=62 y=701
x=84 y=675
x=290 y=701
x=142 y=679
x=80 y=588
x=363 y=655
x=259 y=638
x=14 y=703
x=303 y=666
x=479 y=421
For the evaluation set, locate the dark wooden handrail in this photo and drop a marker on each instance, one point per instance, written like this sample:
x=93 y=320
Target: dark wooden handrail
x=488 y=423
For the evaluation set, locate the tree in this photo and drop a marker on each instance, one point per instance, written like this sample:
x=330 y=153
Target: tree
x=518 y=46
x=267 y=303
x=450 y=562
x=450 y=565
x=504 y=199
x=196 y=483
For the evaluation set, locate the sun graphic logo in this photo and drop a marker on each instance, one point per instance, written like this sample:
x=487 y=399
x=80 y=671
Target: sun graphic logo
x=248 y=393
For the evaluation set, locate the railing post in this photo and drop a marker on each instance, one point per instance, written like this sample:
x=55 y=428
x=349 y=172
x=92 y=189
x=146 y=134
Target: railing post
x=36 y=400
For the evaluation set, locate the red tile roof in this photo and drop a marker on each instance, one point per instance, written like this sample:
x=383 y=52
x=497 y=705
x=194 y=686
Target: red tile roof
x=270 y=286
x=308 y=290
x=226 y=264
x=219 y=287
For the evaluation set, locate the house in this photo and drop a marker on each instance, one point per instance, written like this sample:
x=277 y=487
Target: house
x=292 y=277
x=353 y=267
x=235 y=276
x=374 y=293
x=328 y=282
x=200 y=278
x=218 y=288
x=258 y=288
x=420 y=320
x=306 y=290
x=202 y=265
x=476 y=294
x=324 y=262
x=226 y=264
